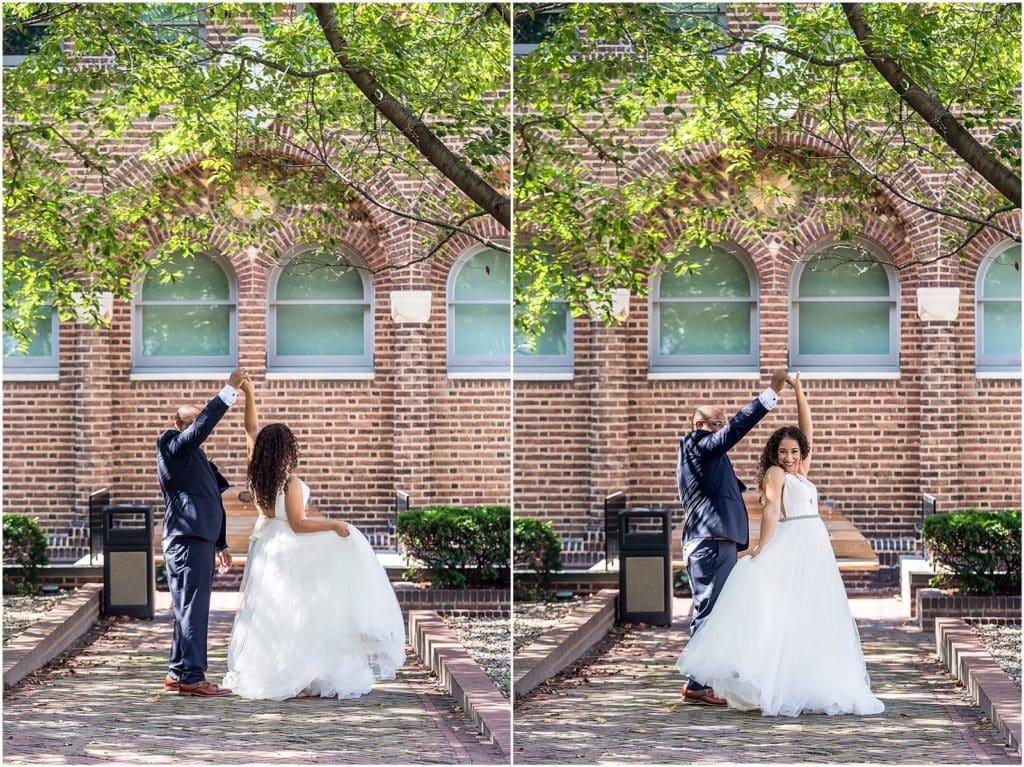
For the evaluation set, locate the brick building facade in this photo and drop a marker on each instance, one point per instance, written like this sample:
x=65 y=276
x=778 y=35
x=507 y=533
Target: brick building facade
x=407 y=418
x=932 y=413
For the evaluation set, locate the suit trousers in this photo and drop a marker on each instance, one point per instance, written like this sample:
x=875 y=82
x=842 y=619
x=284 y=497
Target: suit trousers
x=708 y=566
x=190 y=564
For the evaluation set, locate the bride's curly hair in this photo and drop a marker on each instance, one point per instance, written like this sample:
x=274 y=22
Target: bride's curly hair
x=770 y=454
x=275 y=455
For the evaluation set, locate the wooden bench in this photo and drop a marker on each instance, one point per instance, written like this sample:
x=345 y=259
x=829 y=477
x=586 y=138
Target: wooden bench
x=852 y=550
x=241 y=519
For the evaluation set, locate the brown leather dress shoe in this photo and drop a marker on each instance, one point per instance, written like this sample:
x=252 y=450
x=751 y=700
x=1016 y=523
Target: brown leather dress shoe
x=170 y=683
x=203 y=689
x=706 y=696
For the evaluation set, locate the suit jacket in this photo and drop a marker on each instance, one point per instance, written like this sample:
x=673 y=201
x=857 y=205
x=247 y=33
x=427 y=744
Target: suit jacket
x=190 y=481
x=711 y=493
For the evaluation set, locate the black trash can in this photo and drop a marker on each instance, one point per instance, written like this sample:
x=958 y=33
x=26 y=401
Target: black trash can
x=129 y=575
x=645 y=566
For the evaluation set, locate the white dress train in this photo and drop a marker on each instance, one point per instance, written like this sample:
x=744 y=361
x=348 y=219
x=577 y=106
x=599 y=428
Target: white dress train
x=317 y=612
x=781 y=637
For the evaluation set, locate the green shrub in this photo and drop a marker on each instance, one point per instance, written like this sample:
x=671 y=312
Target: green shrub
x=24 y=545
x=460 y=545
x=537 y=548
x=981 y=548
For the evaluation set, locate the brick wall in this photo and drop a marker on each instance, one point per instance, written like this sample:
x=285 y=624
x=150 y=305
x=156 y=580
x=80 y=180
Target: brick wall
x=412 y=427
x=879 y=443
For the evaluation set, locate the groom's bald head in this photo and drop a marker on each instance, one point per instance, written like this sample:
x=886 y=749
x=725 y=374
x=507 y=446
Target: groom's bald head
x=708 y=417
x=185 y=416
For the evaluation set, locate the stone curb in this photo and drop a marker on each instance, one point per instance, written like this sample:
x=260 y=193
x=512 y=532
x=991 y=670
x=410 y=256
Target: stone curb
x=580 y=630
x=462 y=677
x=989 y=686
x=52 y=635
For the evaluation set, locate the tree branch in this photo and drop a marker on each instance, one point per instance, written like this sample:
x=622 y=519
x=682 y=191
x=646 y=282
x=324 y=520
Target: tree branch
x=398 y=114
x=932 y=110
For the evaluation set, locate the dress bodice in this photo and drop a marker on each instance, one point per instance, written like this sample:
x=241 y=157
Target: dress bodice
x=800 y=498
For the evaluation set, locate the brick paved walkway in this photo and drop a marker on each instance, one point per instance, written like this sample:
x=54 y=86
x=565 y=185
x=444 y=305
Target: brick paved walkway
x=621 y=704
x=107 y=704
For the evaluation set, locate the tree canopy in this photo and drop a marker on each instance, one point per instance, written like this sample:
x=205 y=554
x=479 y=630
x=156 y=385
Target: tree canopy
x=294 y=115
x=880 y=91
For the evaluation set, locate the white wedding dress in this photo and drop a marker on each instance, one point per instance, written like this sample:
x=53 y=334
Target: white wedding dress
x=317 y=613
x=781 y=637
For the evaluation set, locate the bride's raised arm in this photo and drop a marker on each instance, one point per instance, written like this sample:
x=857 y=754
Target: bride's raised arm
x=252 y=421
x=803 y=419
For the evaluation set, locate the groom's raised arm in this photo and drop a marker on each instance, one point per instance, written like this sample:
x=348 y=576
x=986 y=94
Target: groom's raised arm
x=720 y=442
x=196 y=433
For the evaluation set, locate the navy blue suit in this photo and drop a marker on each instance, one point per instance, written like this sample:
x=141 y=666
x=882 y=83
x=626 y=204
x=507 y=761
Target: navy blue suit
x=712 y=497
x=195 y=527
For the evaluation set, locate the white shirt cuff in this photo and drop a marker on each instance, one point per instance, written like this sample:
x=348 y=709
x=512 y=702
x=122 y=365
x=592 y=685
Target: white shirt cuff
x=768 y=398
x=229 y=394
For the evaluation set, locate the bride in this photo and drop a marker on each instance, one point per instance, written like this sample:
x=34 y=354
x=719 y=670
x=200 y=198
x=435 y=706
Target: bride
x=318 y=615
x=781 y=637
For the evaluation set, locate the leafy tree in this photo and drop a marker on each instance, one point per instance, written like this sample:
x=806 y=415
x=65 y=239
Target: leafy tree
x=299 y=121
x=888 y=89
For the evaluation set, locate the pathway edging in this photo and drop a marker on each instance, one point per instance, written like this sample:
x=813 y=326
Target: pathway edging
x=53 y=634
x=461 y=676
x=988 y=685
x=579 y=631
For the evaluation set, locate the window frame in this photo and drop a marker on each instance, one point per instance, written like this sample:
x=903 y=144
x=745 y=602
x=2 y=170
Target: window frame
x=991 y=363
x=854 y=363
x=475 y=364
x=338 y=363
x=179 y=363
x=705 y=363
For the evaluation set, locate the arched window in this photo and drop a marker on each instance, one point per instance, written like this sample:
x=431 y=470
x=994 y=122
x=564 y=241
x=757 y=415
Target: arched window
x=998 y=310
x=706 y=318
x=187 y=324
x=480 y=312
x=845 y=311
x=42 y=355
x=320 y=314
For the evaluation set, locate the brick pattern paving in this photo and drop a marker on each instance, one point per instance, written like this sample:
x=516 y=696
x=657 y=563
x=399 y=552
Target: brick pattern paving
x=107 y=704
x=621 y=704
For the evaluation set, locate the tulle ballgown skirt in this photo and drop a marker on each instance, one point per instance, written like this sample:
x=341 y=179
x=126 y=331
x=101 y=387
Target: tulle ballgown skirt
x=317 y=613
x=780 y=637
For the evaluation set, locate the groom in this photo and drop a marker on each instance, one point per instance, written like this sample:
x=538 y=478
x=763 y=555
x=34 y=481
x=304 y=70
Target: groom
x=195 y=527
x=715 y=527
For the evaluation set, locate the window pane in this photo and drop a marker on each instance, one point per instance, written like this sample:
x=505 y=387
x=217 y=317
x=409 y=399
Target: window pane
x=705 y=328
x=554 y=339
x=41 y=344
x=848 y=328
x=202 y=280
x=1002 y=280
x=843 y=271
x=486 y=275
x=314 y=279
x=481 y=330
x=720 y=274
x=320 y=330
x=1002 y=328
x=23 y=40
x=186 y=331
x=533 y=29
x=695 y=16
